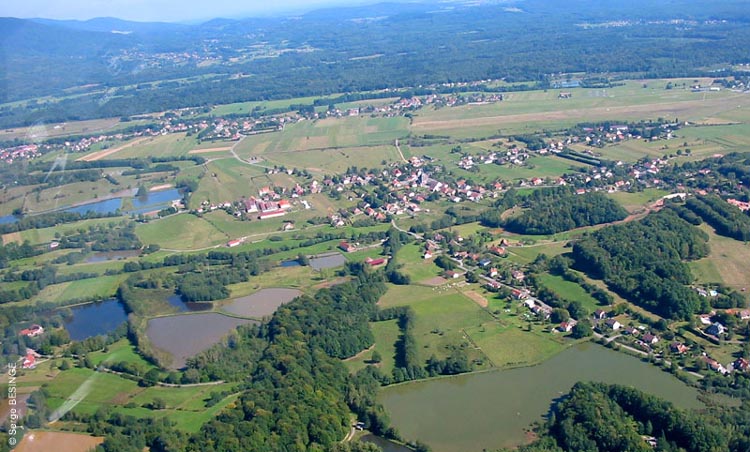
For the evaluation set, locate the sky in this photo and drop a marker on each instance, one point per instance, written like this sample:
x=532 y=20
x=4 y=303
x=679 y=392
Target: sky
x=162 y=10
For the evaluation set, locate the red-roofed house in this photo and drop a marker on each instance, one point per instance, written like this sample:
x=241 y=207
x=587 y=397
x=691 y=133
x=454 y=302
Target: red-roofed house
x=29 y=362
x=32 y=331
x=346 y=246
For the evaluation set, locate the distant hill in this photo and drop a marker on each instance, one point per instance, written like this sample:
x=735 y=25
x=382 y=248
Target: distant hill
x=110 y=24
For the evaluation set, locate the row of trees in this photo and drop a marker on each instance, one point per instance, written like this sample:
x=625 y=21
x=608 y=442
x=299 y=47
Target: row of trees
x=726 y=219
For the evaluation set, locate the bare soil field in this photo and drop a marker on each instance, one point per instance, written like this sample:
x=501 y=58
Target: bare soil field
x=210 y=150
x=107 y=152
x=58 y=441
x=436 y=281
x=477 y=298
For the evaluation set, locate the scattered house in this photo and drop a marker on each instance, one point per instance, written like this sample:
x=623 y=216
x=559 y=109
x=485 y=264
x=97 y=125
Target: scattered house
x=716 y=329
x=427 y=255
x=650 y=339
x=631 y=331
x=518 y=275
x=233 y=243
x=497 y=250
x=32 y=331
x=493 y=272
x=705 y=319
x=678 y=348
x=54 y=245
x=600 y=314
x=744 y=314
x=566 y=327
x=347 y=247
x=614 y=324
x=375 y=262
x=485 y=262
x=492 y=284
x=288 y=226
x=713 y=364
x=29 y=362
x=741 y=365
x=519 y=294
x=451 y=274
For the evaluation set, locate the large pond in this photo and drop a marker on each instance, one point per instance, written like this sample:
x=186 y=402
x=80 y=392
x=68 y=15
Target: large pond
x=330 y=260
x=262 y=303
x=491 y=410
x=95 y=319
x=184 y=336
x=7 y=219
x=100 y=207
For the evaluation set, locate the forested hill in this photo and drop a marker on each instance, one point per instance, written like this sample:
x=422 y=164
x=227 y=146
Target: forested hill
x=348 y=50
x=596 y=417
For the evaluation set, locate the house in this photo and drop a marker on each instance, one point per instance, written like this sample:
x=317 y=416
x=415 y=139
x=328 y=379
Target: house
x=744 y=314
x=649 y=338
x=485 y=262
x=451 y=274
x=566 y=327
x=600 y=314
x=713 y=364
x=678 y=348
x=741 y=365
x=271 y=214
x=493 y=272
x=705 y=319
x=519 y=294
x=631 y=331
x=375 y=262
x=233 y=243
x=427 y=255
x=518 y=275
x=32 y=331
x=347 y=247
x=29 y=362
x=496 y=250
x=614 y=324
x=716 y=329
x=54 y=245
x=492 y=284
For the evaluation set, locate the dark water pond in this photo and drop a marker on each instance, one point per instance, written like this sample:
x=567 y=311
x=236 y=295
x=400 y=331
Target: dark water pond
x=176 y=301
x=290 y=264
x=7 y=219
x=95 y=319
x=102 y=256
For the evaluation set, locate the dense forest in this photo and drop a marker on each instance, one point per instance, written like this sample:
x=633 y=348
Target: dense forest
x=144 y=72
x=643 y=261
x=552 y=210
x=726 y=219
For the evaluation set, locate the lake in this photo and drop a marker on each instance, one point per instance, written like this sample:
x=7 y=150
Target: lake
x=188 y=306
x=141 y=204
x=290 y=264
x=104 y=256
x=330 y=260
x=184 y=336
x=262 y=303
x=491 y=410
x=101 y=207
x=384 y=444
x=95 y=319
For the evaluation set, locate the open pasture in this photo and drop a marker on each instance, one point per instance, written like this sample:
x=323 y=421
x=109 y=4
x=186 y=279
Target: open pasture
x=325 y=133
x=229 y=180
x=335 y=160
x=727 y=262
x=182 y=232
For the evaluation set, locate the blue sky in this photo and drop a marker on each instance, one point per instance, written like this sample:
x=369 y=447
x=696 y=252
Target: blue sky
x=161 y=10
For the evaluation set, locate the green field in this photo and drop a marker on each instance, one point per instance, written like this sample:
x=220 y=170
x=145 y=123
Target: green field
x=335 y=160
x=386 y=334
x=510 y=345
x=91 y=390
x=410 y=257
x=637 y=201
x=441 y=317
x=726 y=262
x=182 y=232
x=176 y=144
x=569 y=291
x=228 y=180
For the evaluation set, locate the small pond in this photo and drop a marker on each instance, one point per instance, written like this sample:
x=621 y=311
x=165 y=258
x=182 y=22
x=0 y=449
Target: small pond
x=104 y=256
x=95 y=319
x=102 y=207
x=184 y=336
x=262 y=303
x=330 y=260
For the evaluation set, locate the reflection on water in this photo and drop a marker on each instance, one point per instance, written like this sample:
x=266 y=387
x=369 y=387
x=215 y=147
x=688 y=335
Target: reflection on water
x=95 y=319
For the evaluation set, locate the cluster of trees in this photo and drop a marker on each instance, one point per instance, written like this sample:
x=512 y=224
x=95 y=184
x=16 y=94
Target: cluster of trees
x=596 y=417
x=728 y=220
x=13 y=251
x=643 y=261
x=396 y=239
x=552 y=210
x=104 y=238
